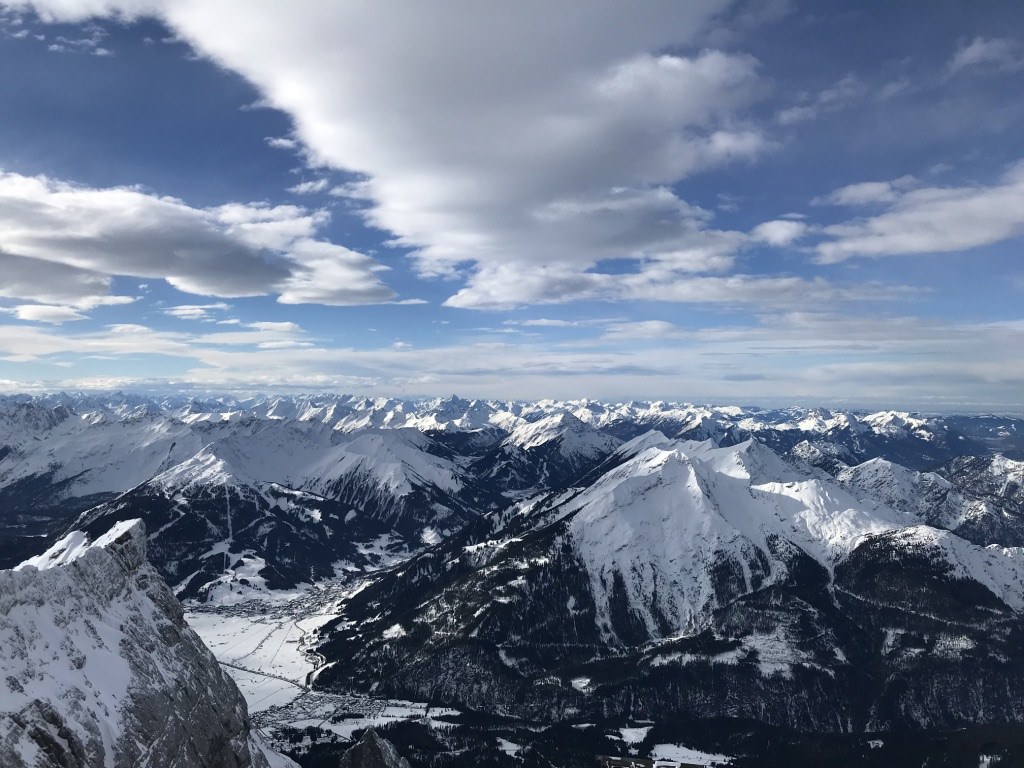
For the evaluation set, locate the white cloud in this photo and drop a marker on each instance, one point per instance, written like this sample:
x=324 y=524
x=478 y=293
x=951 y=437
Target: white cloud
x=19 y=343
x=197 y=311
x=309 y=187
x=642 y=330
x=894 y=88
x=506 y=287
x=867 y=192
x=54 y=283
x=779 y=292
x=537 y=143
x=934 y=220
x=547 y=322
x=45 y=313
x=832 y=99
x=281 y=142
x=780 y=232
x=1000 y=54
x=265 y=335
x=842 y=91
x=797 y=114
x=332 y=274
x=89 y=44
x=62 y=244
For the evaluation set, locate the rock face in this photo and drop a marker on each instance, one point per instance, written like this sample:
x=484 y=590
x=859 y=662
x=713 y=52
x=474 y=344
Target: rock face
x=372 y=751
x=100 y=668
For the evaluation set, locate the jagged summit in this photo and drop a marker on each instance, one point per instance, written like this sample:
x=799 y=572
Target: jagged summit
x=575 y=437
x=126 y=538
x=100 y=667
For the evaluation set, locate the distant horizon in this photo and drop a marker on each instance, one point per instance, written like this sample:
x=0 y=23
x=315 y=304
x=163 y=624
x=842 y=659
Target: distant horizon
x=241 y=395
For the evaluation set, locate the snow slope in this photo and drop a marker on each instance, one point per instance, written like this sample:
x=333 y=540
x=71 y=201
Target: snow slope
x=665 y=520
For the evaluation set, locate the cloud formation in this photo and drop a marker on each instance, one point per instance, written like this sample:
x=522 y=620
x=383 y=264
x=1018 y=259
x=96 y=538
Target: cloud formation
x=45 y=313
x=204 y=312
x=929 y=219
x=812 y=357
x=867 y=192
x=999 y=54
x=832 y=99
x=62 y=244
x=495 y=139
x=780 y=232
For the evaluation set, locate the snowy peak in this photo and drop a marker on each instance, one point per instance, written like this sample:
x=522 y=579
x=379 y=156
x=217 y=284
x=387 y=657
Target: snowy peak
x=397 y=460
x=663 y=526
x=33 y=416
x=126 y=538
x=662 y=523
x=994 y=489
x=924 y=495
x=832 y=457
x=101 y=668
x=995 y=475
x=898 y=424
x=575 y=439
x=204 y=470
x=544 y=453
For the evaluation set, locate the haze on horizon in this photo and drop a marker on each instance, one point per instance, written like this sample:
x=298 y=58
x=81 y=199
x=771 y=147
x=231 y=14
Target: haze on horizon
x=772 y=202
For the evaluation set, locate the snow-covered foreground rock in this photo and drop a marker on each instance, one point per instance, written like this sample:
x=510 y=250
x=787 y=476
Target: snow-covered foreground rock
x=100 y=668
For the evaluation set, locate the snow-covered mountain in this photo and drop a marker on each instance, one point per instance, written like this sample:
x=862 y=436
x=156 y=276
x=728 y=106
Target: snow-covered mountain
x=100 y=668
x=683 y=568
x=282 y=507
x=545 y=454
x=343 y=481
x=995 y=485
x=570 y=562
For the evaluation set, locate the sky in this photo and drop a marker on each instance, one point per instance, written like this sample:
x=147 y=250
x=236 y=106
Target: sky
x=767 y=203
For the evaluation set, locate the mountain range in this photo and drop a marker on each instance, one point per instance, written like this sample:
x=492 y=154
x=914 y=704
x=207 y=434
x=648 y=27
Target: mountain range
x=725 y=575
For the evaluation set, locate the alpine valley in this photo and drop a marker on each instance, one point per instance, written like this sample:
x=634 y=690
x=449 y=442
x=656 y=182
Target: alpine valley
x=534 y=584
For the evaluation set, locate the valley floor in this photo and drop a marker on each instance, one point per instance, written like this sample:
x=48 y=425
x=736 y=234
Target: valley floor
x=266 y=646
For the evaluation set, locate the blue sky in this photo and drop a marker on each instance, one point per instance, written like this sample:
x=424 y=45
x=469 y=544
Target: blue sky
x=761 y=202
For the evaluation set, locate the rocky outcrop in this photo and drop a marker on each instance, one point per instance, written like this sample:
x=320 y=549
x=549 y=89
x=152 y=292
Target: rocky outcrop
x=372 y=751
x=101 y=669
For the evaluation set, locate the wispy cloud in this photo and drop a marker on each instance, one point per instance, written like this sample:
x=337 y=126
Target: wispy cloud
x=931 y=220
x=867 y=192
x=837 y=96
x=309 y=187
x=814 y=357
x=90 y=43
x=204 y=312
x=642 y=330
x=993 y=54
x=45 y=313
